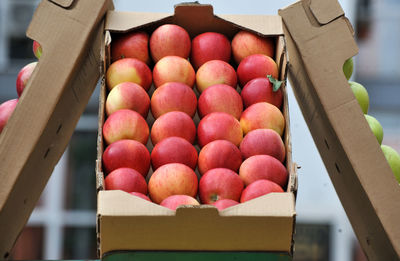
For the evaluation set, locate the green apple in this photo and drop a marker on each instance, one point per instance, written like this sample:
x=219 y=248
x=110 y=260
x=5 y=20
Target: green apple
x=361 y=95
x=375 y=126
x=393 y=159
x=348 y=68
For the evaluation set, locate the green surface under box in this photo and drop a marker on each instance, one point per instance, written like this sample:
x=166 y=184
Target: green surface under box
x=194 y=256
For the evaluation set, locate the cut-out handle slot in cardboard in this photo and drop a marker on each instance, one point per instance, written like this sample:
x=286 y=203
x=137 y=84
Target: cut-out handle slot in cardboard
x=63 y=3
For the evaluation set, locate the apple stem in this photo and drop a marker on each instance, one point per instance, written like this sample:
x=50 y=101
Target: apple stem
x=276 y=84
x=214 y=197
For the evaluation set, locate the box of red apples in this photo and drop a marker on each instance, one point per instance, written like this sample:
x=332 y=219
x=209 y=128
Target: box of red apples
x=194 y=145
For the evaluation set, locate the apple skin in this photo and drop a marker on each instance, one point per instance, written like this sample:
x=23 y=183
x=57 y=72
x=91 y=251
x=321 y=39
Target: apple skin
x=263 y=167
x=375 y=126
x=255 y=66
x=219 y=126
x=259 y=188
x=262 y=115
x=173 y=96
x=131 y=45
x=128 y=95
x=174 y=201
x=224 y=203
x=245 y=44
x=129 y=70
x=174 y=123
x=6 y=110
x=261 y=90
x=140 y=195
x=127 y=154
x=263 y=142
x=23 y=77
x=169 y=39
x=393 y=158
x=348 y=68
x=220 y=183
x=219 y=154
x=173 y=69
x=209 y=46
x=174 y=150
x=126 y=179
x=37 y=49
x=215 y=72
x=361 y=95
x=220 y=98
x=125 y=124
x=172 y=179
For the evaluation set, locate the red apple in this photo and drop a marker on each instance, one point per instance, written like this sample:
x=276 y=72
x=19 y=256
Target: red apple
x=255 y=66
x=210 y=46
x=263 y=141
x=263 y=167
x=140 y=195
x=127 y=154
x=173 y=96
x=174 y=201
x=219 y=126
x=215 y=72
x=262 y=115
x=173 y=69
x=130 y=45
x=261 y=90
x=37 y=49
x=218 y=184
x=259 y=188
x=245 y=44
x=128 y=95
x=129 y=70
x=174 y=150
x=169 y=39
x=224 y=203
x=6 y=110
x=174 y=123
x=125 y=124
x=126 y=179
x=220 y=98
x=172 y=179
x=23 y=77
x=219 y=154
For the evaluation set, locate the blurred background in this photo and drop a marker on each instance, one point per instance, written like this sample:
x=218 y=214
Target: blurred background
x=62 y=226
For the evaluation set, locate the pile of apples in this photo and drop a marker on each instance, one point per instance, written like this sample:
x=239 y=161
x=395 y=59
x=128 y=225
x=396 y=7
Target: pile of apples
x=212 y=142
x=7 y=107
x=362 y=97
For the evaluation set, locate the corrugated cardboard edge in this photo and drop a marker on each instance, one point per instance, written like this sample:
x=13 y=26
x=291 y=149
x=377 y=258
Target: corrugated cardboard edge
x=48 y=110
x=261 y=223
x=155 y=215
x=356 y=165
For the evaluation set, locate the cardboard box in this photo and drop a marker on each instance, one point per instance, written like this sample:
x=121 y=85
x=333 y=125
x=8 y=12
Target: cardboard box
x=39 y=130
x=319 y=40
x=130 y=223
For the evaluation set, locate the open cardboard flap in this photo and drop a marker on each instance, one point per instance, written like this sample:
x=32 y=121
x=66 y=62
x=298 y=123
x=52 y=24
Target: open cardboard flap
x=42 y=124
x=319 y=39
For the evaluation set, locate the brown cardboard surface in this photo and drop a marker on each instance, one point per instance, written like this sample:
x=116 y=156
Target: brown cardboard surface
x=257 y=225
x=45 y=117
x=264 y=224
x=363 y=180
